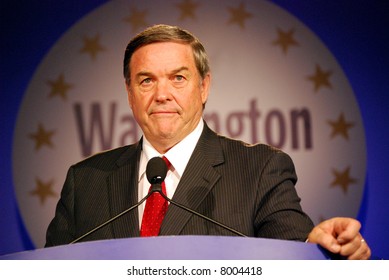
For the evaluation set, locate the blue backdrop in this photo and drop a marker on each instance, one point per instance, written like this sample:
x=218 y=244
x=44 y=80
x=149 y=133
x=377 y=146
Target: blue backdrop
x=356 y=32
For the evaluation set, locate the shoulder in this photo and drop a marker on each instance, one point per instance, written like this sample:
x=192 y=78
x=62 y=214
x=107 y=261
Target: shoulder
x=109 y=159
x=239 y=146
x=257 y=155
x=236 y=151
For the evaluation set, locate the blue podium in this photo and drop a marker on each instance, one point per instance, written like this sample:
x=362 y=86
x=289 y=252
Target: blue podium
x=178 y=248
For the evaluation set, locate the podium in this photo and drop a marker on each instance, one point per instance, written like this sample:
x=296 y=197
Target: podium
x=178 y=248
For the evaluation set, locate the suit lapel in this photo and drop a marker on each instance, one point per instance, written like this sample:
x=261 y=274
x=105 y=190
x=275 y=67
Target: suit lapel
x=123 y=193
x=197 y=181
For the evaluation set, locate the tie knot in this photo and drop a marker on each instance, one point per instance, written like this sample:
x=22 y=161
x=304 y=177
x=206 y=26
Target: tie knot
x=168 y=164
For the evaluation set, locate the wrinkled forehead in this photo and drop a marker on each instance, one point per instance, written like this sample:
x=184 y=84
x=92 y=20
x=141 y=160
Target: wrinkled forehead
x=159 y=55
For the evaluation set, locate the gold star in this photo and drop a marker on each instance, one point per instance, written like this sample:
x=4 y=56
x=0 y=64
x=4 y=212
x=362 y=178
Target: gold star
x=187 y=8
x=43 y=190
x=137 y=19
x=343 y=179
x=59 y=87
x=340 y=127
x=42 y=137
x=92 y=46
x=320 y=78
x=285 y=40
x=239 y=15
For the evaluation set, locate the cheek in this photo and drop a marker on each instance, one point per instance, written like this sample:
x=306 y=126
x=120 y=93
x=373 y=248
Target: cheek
x=140 y=103
x=134 y=105
x=130 y=97
x=130 y=101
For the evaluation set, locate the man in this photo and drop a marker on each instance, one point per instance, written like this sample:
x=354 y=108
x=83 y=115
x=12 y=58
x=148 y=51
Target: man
x=249 y=188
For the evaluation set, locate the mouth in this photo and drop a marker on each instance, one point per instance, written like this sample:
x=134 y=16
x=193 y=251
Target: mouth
x=163 y=113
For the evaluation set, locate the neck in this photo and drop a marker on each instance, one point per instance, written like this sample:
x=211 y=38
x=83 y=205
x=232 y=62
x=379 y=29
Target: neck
x=162 y=145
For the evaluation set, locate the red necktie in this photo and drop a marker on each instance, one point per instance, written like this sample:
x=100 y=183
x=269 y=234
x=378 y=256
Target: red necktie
x=155 y=210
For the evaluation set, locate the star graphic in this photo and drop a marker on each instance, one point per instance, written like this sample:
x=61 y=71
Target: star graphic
x=340 y=127
x=187 y=8
x=239 y=15
x=320 y=78
x=42 y=137
x=43 y=190
x=92 y=46
x=285 y=40
x=137 y=19
x=342 y=179
x=59 y=87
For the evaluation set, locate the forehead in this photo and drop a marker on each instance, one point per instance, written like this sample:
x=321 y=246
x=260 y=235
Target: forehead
x=162 y=54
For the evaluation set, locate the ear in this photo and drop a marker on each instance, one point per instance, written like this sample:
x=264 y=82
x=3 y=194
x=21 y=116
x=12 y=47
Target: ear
x=205 y=87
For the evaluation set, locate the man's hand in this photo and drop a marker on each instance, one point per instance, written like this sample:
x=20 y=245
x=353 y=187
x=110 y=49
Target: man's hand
x=341 y=236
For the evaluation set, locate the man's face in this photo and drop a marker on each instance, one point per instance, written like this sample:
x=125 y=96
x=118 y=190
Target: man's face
x=166 y=93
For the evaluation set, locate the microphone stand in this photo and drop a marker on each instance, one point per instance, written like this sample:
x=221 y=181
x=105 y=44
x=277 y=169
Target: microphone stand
x=112 y=219
x=156 y=189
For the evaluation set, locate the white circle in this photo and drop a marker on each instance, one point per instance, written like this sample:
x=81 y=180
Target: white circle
x=257 y=90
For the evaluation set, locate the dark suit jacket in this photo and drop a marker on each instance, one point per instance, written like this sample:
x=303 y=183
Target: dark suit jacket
x=247 y=187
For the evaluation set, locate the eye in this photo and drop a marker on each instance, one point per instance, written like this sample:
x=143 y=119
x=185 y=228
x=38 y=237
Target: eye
x=146 y=81
x=179 y=78
x=146 y=84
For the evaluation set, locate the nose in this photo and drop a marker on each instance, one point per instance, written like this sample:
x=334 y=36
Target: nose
x=163 y=91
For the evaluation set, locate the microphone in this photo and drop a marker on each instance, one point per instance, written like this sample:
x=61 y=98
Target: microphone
x=156 y=165
x=156 y=173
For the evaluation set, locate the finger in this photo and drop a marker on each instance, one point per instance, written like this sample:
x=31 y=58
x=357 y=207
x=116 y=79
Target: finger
x=325 y=240
x=363 y=252
x=350 y=247
x=349 y=231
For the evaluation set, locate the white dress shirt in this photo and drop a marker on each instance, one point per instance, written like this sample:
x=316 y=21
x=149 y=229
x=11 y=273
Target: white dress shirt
x=178 y=156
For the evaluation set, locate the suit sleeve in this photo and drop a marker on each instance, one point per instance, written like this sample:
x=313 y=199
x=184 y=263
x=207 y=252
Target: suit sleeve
x=61 y=230
x=279 y=214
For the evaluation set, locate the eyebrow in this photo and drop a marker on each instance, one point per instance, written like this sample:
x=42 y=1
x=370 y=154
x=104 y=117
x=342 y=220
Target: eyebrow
x=183 y=68
x=148 y=74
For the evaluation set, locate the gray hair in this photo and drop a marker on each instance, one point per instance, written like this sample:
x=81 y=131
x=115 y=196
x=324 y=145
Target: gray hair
x=166 y=33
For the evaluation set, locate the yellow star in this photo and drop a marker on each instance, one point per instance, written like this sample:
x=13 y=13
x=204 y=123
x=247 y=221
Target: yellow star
x=92 y=46
x=343 y=179
x=59 y=87
x=137 y=19
x=320 y=78
x=187 y=8
x=340 y=127
x=239 y=15
x=42 y=137
x=285 y=39
x=43 y=190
